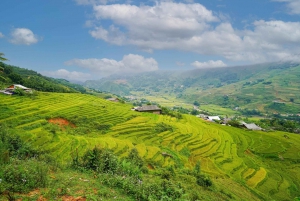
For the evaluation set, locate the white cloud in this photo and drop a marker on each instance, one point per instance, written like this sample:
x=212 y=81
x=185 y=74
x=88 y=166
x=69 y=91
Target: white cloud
x=1 y=35
x=129 y=64
x=209 y=64
x=23 y=36
x=193 y=28
x=69 y=75
x=146 y=24
x=292 y=5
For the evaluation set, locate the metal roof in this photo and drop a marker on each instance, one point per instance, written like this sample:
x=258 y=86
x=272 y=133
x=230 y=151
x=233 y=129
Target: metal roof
x=148 y=108
x=252 y=126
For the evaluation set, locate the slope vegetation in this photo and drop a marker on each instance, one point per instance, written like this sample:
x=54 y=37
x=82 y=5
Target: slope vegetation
x=14 y=75
x=250 y=165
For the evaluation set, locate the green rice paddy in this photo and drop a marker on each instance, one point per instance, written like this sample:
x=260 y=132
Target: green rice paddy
x=266 y=164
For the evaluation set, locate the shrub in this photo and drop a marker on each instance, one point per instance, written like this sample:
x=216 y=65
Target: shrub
x=203 y=180
x=134 y=158
x=100 y=160
x=23 y=176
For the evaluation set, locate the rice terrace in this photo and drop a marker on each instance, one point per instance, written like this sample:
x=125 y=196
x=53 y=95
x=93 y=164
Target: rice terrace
x=161 y=100
x=252 y=165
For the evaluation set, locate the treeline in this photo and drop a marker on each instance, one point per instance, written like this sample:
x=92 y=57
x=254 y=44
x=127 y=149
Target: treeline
x=14 y=75
x=282 y=123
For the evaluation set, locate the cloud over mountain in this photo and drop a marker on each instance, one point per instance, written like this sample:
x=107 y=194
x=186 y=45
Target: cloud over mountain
x=130 y=63
x=209 y=64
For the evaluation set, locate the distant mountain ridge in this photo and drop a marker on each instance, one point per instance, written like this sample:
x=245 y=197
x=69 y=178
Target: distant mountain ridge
x=254 y=86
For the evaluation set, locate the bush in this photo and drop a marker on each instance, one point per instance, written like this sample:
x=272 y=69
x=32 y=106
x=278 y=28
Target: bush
x=134 y=158
x=100 y=160
x=11 y=145
x=203 y=180
x=23 y=176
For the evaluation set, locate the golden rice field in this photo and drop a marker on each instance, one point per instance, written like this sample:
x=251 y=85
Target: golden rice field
x=266 y=164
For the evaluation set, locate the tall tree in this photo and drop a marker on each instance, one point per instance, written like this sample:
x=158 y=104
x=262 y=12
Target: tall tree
x=1 y=57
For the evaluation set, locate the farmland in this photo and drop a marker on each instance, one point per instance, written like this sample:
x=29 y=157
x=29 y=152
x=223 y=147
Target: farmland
x=249 y=165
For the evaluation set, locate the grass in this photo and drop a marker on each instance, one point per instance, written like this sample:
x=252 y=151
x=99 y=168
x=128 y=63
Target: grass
x=250 y=160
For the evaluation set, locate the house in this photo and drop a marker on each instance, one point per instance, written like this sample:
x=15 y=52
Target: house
x=213 y=118
x=226 y=120
x=10 y=90
x=252 y=126
x=149 y=108
x=209 y=118
x=113 y=99
x=17 y=86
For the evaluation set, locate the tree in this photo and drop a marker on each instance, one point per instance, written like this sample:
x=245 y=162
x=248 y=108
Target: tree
x=196 y=103
x=1 y=57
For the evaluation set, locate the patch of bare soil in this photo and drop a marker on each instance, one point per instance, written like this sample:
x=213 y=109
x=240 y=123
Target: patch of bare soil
x=248 y=152
x=150 y=167
x=71 y=198
x=61 y=122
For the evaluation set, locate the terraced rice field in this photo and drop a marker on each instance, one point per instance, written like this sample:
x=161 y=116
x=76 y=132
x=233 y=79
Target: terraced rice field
x=267 y=164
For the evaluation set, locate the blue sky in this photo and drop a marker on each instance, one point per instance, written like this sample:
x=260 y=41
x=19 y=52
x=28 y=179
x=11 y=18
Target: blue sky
x=90 y=39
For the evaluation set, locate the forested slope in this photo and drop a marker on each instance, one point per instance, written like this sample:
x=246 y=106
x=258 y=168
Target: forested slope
x=14 y=75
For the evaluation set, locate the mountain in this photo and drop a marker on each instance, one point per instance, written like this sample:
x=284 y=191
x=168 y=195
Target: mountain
x=269 y=87
x=15 y=75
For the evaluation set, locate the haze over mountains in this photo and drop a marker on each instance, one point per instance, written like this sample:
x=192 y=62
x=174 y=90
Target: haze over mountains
x=257 y=86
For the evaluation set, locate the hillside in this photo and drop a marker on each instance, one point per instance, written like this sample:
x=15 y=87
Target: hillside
x=15 y=75
x=270 y=87
x=241 y=164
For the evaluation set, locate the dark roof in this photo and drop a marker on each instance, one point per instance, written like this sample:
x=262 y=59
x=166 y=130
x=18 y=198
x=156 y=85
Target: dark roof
x=148 y=108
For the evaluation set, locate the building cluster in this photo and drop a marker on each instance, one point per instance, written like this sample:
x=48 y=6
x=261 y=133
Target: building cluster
x=224 y=121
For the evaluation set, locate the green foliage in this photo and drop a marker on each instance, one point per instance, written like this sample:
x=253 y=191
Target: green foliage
x=13 y=146
x=197 y=168
x=234 y=123
x=34 y=80
x=2 y=58
x=16 y=78
x=195 y=112
x=103 y=127
x=23 y=176
x=281 y=124
x=283 y=108
x=161 y=127
x=99 y=160
x=204 y=180
x=248 y=112
x=171 y=113
x=134 y=158
x=196 y=103
x=19 y=92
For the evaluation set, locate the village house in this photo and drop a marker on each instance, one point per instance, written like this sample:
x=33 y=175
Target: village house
x=113 y=99
x=10 y=90
x=209 y=118
x=213 y=118
x=251 y=126
x=149 y=108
